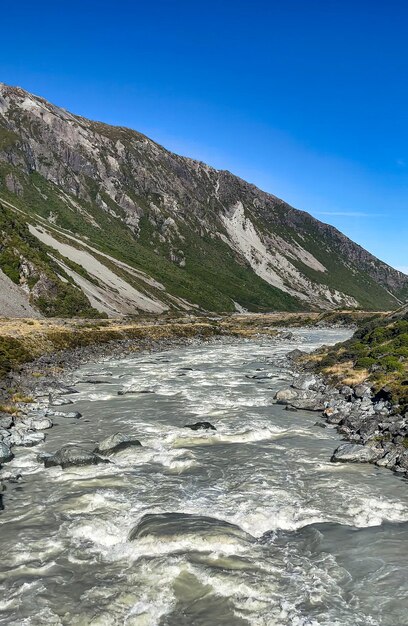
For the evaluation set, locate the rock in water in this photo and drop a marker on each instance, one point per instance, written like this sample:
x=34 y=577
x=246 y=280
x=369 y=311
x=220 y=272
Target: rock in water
x=26 y=438
x=356 y=453
x=286 y=395
x=200 y=426
x=71 y=456
x=115 y=443
x=6 y=454
x=174 y=525
x=72 y=414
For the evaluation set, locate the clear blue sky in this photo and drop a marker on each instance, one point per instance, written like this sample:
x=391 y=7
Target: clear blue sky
x=308 y=99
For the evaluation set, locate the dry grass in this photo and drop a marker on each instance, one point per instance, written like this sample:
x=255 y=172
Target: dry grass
x=345 y=373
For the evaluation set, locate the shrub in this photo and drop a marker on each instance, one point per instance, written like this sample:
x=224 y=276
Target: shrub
x=365 y=362
x=391 y=364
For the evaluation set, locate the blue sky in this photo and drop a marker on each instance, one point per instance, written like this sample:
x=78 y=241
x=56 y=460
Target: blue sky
x=307 y=99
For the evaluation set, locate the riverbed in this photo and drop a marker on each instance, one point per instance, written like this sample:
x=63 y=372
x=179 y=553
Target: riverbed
x=246 y=524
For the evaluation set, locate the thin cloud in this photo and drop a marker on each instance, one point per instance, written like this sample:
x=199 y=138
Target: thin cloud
x=348 y=214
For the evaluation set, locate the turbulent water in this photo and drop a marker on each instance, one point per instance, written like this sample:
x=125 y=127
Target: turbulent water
x=248 y=524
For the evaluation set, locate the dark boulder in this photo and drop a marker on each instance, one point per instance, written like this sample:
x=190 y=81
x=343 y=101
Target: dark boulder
x=6 y=454
x=200 y=426
x=72 y=456
x=115 y=443
x=295 y=354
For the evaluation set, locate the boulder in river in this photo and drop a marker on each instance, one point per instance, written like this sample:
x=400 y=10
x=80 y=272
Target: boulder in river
x=59 y=401
x=174 y=525
x=129 y=390
x=286 y=395
x=115 y=443
x=356 y=453
x=72 y=414
x=26 y=438
x=200 y=426
x=6 y=454
x=73 y=456
x=32 y=423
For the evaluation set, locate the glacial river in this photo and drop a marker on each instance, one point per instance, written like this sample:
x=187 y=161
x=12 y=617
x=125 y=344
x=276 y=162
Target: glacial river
x=248 y=524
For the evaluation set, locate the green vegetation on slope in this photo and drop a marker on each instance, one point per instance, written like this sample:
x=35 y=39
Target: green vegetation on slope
x=25 y=260
x=378 y=351
x=340 y=275
x=211 y=278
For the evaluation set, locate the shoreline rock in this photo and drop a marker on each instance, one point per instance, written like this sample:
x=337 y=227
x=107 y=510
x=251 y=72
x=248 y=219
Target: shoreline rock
x=377 y=432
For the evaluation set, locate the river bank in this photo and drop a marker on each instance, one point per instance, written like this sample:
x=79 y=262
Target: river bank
x=367 y=417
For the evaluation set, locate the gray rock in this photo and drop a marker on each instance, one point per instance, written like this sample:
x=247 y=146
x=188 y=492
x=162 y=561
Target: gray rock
x=309 y=404
x=26 y=439
x=37 y=424
x=60 y=401
x=73 y=456
x=304 y=382
x=6 y=420
x=6 y=454
x=361 y=391
x=389 y=459
x=115 y=443
x=356 y=453
x=285 y=395
x=73 y=414
x=295 y=354
x=4 y=434
x=346 y=391
x=403 y=460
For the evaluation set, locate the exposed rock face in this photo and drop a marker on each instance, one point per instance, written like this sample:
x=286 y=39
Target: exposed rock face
x=186 y=234
x=14 y=301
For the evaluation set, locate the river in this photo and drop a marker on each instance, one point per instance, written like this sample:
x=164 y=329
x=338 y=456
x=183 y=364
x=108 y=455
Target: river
x=248 y=524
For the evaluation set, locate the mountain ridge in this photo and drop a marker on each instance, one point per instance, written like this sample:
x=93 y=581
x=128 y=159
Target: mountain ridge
x=178 y=232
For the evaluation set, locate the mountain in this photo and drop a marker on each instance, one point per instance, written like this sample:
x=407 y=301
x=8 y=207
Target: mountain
x=107 y=220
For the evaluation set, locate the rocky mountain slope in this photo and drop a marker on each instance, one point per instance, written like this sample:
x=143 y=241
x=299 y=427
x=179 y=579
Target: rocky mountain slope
x=124 y=225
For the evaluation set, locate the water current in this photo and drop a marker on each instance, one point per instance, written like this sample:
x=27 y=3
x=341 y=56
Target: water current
x=247 y=524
